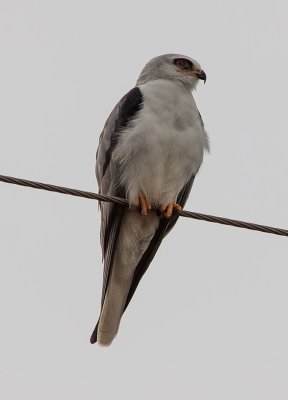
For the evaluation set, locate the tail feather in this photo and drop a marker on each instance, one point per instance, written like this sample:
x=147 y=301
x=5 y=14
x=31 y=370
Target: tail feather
x=134 y=237
x=113 y=307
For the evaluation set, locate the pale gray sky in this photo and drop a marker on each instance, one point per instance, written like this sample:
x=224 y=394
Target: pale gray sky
x=216 y=326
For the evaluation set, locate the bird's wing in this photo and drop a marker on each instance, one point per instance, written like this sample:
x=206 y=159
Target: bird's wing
x=106 y=173
x=164 y=228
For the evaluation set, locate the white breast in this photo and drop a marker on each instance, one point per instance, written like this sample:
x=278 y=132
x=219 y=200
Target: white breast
x=163 y=147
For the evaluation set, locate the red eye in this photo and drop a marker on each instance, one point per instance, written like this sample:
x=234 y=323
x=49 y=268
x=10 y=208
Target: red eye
x=183 y=63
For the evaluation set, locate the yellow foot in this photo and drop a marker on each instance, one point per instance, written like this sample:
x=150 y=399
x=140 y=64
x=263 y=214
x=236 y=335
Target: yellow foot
x=145 y=206
x=168 y=210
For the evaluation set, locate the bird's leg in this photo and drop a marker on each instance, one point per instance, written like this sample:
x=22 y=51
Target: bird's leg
x=145 y=205
x=168 y=210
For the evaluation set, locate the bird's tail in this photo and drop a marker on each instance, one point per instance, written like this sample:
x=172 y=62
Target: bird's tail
x=135 y=235
x=112 y=311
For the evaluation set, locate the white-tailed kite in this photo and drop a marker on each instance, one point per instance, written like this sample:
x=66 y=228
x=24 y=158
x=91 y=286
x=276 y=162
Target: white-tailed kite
x=150 y=150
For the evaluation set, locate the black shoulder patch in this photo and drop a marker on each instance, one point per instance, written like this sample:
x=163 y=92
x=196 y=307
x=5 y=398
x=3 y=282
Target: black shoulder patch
x=130 y=104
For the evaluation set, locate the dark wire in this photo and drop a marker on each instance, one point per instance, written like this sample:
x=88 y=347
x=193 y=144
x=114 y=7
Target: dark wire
x=182 y=213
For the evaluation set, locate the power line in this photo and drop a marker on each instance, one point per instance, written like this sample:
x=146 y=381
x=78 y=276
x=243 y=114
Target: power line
x=182 y=213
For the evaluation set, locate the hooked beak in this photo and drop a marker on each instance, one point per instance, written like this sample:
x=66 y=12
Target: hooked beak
x=201 y=75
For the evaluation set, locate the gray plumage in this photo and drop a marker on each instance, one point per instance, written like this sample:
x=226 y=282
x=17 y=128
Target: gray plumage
x=152 y=145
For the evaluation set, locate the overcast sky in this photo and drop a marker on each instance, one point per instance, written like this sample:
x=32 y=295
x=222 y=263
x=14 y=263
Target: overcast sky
x=209 y=320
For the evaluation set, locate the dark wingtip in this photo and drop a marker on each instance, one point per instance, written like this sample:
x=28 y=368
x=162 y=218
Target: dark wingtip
x=93 y=338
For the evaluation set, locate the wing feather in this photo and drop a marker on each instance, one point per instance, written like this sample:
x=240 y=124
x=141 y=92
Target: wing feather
x=106 y=173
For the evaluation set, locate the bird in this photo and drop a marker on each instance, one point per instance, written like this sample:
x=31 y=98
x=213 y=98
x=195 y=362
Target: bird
x=149 y=153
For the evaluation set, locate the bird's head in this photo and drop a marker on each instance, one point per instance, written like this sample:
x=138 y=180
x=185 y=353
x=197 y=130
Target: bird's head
x=173 y=66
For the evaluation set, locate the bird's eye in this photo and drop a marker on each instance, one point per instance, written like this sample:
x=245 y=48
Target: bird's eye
x=183 y=63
